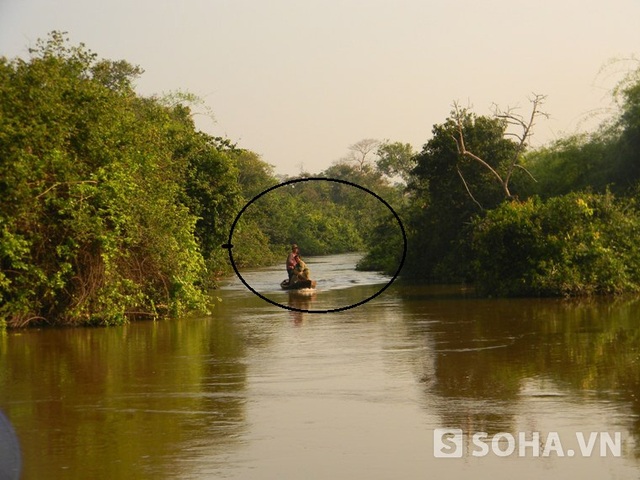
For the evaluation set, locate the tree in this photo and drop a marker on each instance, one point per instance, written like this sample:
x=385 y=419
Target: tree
x=254 y=174
x=211 y=192
x=95 y=225
x=501 y=172
x=442 y=208
x=362 y=152
x=606 y=158
x=627 y=156
x=396 y=159
x=572 y=163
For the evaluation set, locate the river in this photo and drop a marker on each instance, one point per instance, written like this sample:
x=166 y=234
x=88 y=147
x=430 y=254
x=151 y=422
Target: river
x=526 y=388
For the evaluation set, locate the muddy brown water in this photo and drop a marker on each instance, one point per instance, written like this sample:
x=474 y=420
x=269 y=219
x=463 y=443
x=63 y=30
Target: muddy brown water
x=420 y=381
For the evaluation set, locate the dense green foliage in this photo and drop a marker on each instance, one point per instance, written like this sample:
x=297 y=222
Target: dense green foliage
x=99 y=190
x=115 y=207
x=573 y=163
x=567 y=226
x=321 y=216
x=385 y=247
x=606 y=158
x=575 y=244
x=442 y=208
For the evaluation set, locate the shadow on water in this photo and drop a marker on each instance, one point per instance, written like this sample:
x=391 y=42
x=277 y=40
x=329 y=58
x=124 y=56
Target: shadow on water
x=491 y=359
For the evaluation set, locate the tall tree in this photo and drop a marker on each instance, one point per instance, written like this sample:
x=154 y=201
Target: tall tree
x=361 y=153
x=606 y=158
x=396 y=159
x=94 y=222
x=627 y=154
x=442 y=206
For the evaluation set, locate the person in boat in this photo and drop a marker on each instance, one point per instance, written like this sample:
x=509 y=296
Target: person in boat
x=301 y=271
x=292 y=260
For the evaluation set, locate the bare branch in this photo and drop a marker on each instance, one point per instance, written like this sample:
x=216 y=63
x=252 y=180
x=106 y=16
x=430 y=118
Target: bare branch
x=462 y=150
x=455 y=139
x=511 y=119
x=359 y=151
x=536 y=102
x=467 y=153
x=528 y=173
x=467 y=188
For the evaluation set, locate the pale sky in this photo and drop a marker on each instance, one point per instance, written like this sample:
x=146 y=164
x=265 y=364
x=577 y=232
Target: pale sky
x=298 y=81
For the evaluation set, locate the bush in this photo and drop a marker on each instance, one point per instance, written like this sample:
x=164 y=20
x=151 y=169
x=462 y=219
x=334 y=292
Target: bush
x=577 y=244
x=385 y=248
x=93 y=226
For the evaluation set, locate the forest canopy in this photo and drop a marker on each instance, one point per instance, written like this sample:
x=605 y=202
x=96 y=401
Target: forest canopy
x=566 y=225
x=114 y=206
x=95 y=221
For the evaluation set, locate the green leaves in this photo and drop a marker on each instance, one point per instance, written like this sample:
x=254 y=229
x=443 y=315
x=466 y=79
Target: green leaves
x=94 y=225
x=578 y=244
x=448 y=190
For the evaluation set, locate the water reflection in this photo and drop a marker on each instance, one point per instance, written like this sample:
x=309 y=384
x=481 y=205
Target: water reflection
x=108 y=403
x=495 y=361
x=300 y=302
x=262 y=392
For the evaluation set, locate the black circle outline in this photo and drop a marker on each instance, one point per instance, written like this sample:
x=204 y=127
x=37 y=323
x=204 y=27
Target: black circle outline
x=229 y=244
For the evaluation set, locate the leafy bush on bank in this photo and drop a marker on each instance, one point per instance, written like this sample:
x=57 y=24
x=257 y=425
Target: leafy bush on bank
x=576 y=244
x=94 y=227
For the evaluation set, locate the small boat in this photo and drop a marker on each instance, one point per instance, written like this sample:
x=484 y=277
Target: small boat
x=302 y=286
